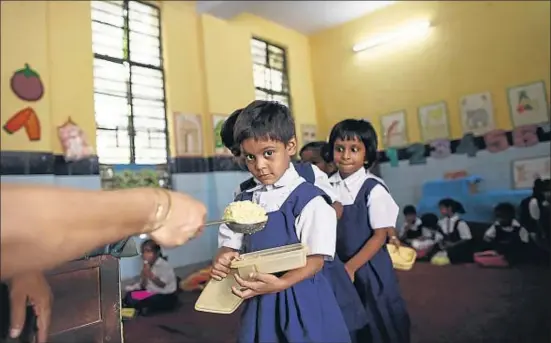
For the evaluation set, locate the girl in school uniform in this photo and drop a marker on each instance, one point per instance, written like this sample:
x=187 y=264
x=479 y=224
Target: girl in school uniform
x=347 y=298
x=456 y=237
x=156 y=290
x=297 y=306
x=369 y=213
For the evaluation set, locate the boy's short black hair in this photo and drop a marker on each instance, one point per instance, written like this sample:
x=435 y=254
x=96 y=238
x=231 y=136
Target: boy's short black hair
x=226 y=133
x=409 y=209
x=264 y=120
x=355 y=128
x=429 y=220
x=505 y=210
x=321 y=146
x=455 y=206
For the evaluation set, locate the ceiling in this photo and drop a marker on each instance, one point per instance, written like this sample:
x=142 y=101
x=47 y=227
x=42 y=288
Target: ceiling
x=303 y=16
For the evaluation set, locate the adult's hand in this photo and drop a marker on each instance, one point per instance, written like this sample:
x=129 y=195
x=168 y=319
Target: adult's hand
x=33 y=287
x=185 y=221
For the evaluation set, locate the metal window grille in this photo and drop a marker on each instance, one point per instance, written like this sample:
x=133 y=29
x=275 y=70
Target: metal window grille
x=271 y=79
x=129 y=93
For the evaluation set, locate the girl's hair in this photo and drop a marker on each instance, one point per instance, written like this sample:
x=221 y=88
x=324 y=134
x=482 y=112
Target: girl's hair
x=320 y=146
x=505 y=210
x=541 y=186
x=429 y=220
x=350 y=129
x=455 y=206
x=226 y=133
x=156 y=248
x=409 y=209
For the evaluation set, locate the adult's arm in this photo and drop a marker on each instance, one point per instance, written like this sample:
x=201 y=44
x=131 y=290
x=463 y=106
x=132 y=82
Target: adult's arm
x=43 y=226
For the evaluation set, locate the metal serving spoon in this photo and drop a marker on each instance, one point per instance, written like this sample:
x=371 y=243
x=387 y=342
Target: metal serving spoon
x=239 y=228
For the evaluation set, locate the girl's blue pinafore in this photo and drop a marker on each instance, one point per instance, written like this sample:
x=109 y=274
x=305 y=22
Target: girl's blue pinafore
x=376 y=281
x=304 y=313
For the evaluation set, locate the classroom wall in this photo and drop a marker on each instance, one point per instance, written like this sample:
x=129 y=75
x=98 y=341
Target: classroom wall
x=208 y=70
x=473 y=47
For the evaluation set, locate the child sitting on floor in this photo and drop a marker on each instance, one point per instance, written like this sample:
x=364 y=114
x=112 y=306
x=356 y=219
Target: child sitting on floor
x=156 y=290
x=506 y=236
x=411 y=229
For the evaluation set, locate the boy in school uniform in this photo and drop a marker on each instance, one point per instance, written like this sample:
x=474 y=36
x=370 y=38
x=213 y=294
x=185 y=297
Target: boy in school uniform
x=411 y=229
x=297 y=306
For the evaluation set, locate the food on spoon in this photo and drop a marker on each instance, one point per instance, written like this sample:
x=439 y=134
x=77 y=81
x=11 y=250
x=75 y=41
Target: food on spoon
x=245 y=212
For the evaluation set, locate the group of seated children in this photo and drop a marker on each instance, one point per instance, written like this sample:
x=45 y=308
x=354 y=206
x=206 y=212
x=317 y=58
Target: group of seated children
x=450 y=236
x=348 y=290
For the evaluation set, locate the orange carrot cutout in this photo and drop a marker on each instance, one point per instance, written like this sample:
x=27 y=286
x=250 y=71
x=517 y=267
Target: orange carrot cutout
x=32 y=127
x=18 y=120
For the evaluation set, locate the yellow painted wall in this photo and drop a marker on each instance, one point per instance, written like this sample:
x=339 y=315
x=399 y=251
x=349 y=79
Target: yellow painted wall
x=474 y=46
x=208 y=66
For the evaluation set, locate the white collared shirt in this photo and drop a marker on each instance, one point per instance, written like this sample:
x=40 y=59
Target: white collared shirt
x=448 y=224
x=491 y=233
x=321 y=180
x=414 y=227
x=383 y=210
x=162 y=270
x=316 y=226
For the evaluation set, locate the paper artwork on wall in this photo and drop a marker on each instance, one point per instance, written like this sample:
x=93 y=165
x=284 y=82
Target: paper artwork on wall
x=467 y=146
x=496 y=141
x=392 y=155
x=433 y=121
x=525 y=136
x=440 y=148
x=26 y=84
x=528 y=104
x=308 y=133
x=74 y=142
x=416 y=154
x=27 y=119
x=526 y=171
x=217 y=123
x=477 y=113
x=394 y=129
x=189 y=134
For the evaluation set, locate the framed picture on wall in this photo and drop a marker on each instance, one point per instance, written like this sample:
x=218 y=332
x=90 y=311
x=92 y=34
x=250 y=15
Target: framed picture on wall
x=394 y=130
x=526 y=171
x=308 y=133
x=188 y=134
x=217 y=122
x=477 y=113
x=528 y=104
x=433 y=121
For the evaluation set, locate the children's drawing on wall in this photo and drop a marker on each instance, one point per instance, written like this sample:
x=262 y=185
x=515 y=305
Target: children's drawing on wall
x=477 y=113
x=434 y=121
x=394 y=130
x=74 y=143
x=528 y=104
x=526 y=171
x=27 y=119
x=189 y=134
x=26 y=84
x=308 y=133
x=219 y=148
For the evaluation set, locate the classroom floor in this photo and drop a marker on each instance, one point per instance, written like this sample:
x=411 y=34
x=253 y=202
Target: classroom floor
x=452 y=304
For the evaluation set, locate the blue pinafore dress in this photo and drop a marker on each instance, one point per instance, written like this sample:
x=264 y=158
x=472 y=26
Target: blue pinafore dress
x=376 y=281
x=349 y=302
x=304 y=313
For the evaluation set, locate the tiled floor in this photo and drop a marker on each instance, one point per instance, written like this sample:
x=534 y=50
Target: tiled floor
x=453 y=304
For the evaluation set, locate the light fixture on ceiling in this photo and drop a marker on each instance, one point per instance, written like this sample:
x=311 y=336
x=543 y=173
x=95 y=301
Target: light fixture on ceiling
x=376 y=5
x=411 y=30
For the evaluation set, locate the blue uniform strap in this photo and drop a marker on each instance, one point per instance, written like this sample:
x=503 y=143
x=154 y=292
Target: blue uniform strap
x=303 y=194
x=247 y=184
x=368 y=186
x=306 y=171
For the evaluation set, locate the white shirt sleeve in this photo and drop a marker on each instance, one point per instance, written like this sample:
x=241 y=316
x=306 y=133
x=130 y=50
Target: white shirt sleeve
x=490 y=234
x=534 y=209
x=316 y=227
x=464 y=230
x=383 y=210
x=229 y=239
x=165 y=273
x=524 y=235
x=322 y=182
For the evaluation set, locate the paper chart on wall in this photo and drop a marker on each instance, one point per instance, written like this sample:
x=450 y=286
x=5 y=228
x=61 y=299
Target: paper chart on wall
x=477 y=113
x=393 y=127
x=528 y=104
x=526 y=171
x=433 y=120
x=217 y=123
x=189 y=134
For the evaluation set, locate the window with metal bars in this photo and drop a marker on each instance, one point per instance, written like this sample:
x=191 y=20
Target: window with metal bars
x=129 y=93
x=271 y=79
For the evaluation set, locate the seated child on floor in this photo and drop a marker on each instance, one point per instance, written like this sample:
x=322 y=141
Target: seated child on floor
x=156 y=290
x=411 y=229
x=430 y=234
x=506 y=236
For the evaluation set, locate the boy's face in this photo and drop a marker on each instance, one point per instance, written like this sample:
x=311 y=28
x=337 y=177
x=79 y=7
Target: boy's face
x=444 y=211
x=411 y=217
x=268 y=159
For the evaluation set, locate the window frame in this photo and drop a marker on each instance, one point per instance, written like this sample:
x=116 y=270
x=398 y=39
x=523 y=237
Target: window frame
x=284 y=70
x=132 y=133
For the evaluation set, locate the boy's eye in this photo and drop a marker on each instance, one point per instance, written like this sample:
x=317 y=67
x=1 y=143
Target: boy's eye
x=268 y=153
x=249 y=157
